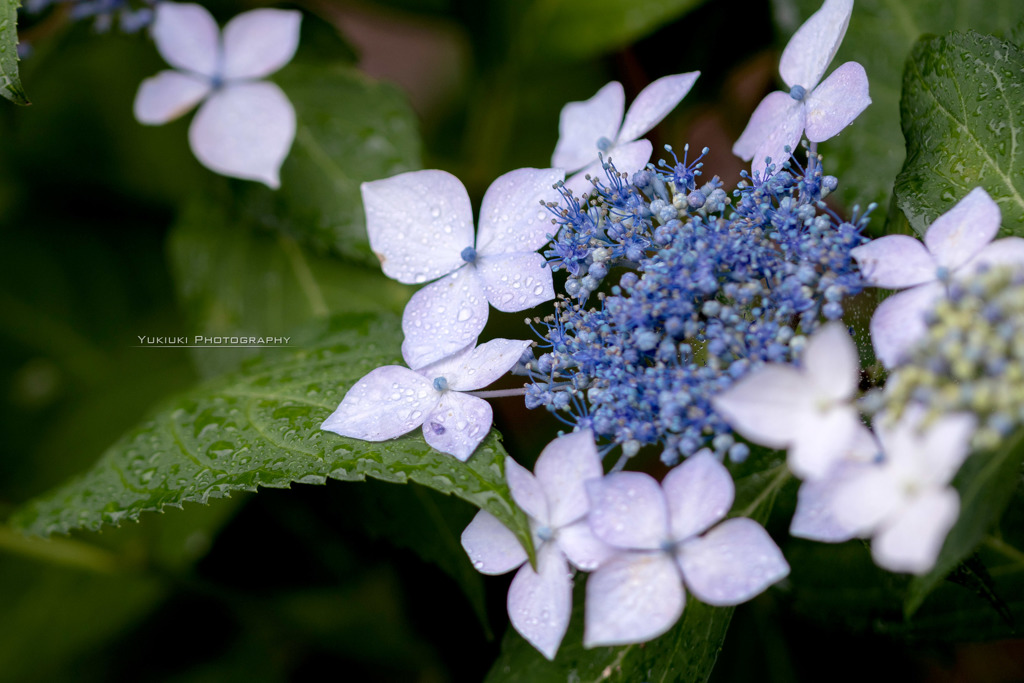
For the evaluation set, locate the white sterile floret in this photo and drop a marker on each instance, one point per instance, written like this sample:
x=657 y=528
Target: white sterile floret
x=420 y=225
x=955 y=246
x=553 y=497
x=806 y=409
x=246 y=125
x=393 y=400
x=596 y=125
x=821 y=109
x=904 y=503
x=664 y=539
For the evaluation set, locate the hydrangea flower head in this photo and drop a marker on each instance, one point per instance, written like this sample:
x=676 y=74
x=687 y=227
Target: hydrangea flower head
x=806 y=410
x=664 y=539
x=393 y=400
x=420 y=225
x=819 y=108
x=956 y=245
x=554 y=499
x=245 y=125
x=905 y=503
x=597 y=126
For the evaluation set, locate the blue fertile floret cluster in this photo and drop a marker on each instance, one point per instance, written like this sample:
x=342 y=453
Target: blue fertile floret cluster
x=708 y=288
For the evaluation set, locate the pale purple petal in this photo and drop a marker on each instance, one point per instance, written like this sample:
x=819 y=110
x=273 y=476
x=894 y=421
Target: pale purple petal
x=814 y=44
x=632 y=598
x=491 y=546
x=443 y=318
x=476 y=367
x=773 y=111
x=653 y=103
x=167 y=96
x=458 y=424
x=959 y=234
x=385 y=404
x=511 y=216
x=731 y=563
x=895 y=262
x=418 y=224
x=527 y=492
x=865 y=499
x=765 y=405
x=516 y=282
x=628 y=158
x=912 y=541
x=822 y=440
x=561 y=469
x=628 y=510
x=540 y=602
x=831 y=362
x=187 y=37
x=245 y=131
x=928 y=456
x=699 y=492
x=585 y=550
x=582 y=124
x=1008 y=251
x=813 y=518
x=787 y=133
x=835 y=103
x=259 y=42
x=899 y=322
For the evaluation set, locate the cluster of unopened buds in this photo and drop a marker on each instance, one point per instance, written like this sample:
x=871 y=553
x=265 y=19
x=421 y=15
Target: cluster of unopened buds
x=723 y=324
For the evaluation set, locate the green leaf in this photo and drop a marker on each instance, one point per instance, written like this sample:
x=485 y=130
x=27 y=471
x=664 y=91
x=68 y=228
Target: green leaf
x=350 y=129
x=580 y=29
x=237 y=278
x=261 y=427
x=686 y=653
x=986 y=483
x=868 y=154
x=11 y=89
x=963 y=119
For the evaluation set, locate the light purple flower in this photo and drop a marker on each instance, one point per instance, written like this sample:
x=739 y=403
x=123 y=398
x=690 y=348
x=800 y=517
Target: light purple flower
x=420 y=225
x=806 y=409
x=955 y=246
x=245 y=126
x=540 y=602
x=665 y=539
x=393 y=400
x=905 y=503
x=821 y=109
x=597 y=125
x=813 y=518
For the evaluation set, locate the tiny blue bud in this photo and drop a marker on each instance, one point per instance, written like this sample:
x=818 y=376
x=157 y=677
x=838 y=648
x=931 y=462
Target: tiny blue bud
x=798 y=92
x=604 y=144
x=440 y=384
x=468 y=255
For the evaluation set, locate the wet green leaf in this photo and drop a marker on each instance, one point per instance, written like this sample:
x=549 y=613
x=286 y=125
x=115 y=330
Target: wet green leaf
x=963 y=119
x=261 y=428
x=868 y=154
x=11 y=87
x=985 y=483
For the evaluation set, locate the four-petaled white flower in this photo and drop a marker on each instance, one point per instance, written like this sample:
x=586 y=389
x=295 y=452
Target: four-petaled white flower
x=807 y=409
x=246 y=126
x=905 y=503
x=663 y=541
x=596 y=125
x=420 y=225
x=956 y=245
x=540 y=602
x=821 y=109
x=393 y=400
